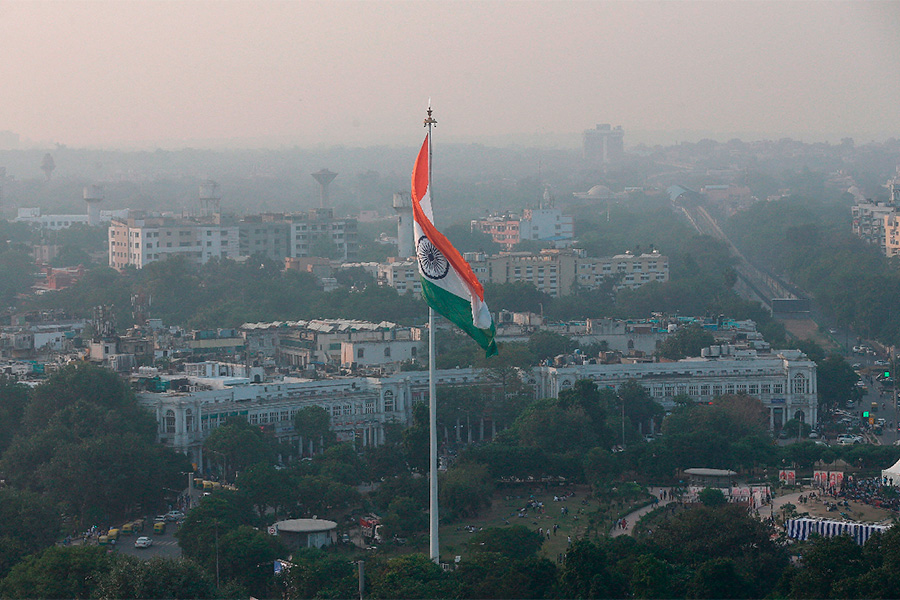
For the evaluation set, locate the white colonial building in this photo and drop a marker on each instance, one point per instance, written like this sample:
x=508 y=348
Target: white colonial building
x=360 y=406
x=785 y=382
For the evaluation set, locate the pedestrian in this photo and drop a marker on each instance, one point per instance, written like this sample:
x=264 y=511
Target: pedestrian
x=569 y=540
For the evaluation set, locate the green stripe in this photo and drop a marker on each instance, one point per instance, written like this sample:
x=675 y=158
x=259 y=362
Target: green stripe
x=458 y=311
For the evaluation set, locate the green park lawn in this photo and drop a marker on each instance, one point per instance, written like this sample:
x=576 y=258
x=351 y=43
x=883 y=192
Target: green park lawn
x=582 y=519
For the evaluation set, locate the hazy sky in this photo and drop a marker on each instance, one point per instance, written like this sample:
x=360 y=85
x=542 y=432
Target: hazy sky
x=258 y=73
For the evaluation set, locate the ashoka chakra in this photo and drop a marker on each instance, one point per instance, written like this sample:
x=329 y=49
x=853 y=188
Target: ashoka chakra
x=432 y=262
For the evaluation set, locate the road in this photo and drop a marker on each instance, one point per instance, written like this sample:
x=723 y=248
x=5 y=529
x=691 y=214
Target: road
x=165 y=545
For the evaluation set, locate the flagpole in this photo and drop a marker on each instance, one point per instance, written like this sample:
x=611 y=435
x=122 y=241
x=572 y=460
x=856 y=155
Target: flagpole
x=434 y=545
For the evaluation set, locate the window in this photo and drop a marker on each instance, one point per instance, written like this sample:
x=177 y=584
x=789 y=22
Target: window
x=360 y=353
x=389 y=405
x=777 y=388
x=170 y=421
x=369 y=407
x=189 y=420
x=800 y=385
x=387 y=352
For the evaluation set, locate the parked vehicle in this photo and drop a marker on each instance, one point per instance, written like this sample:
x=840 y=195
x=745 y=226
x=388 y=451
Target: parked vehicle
x=371 y=528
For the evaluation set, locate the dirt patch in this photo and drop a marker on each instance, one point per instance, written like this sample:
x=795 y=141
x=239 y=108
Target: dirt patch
x=807 y=329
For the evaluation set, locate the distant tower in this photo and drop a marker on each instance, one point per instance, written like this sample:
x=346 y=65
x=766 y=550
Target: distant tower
x=324 y=177
x=403 y=206
x=604 y=144
x=93 y=196
x=209 y=198
x=47 y=165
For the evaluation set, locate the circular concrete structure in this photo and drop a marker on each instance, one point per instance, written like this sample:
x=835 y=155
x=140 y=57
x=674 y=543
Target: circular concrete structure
x=306 y=533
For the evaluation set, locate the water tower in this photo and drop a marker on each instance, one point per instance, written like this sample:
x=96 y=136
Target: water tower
x=403 y=206
x=93 y=196
x=324 y=177
x=209 y=198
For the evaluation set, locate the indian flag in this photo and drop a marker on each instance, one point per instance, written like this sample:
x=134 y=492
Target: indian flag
x=448 y=284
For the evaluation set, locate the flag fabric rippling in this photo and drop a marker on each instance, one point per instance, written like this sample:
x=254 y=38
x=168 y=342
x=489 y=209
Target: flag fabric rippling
x=448 y=284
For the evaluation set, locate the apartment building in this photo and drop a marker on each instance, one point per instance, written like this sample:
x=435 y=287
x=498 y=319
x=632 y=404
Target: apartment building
x=560 y=272
x=138 y=242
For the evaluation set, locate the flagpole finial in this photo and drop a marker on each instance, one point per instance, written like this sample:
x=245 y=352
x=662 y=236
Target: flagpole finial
x=429 y=120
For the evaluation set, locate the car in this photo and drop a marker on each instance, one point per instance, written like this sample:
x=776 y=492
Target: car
x=848 y=439
x=143 y=542
x=813 y=435
x=882 y=363
x=173 y=515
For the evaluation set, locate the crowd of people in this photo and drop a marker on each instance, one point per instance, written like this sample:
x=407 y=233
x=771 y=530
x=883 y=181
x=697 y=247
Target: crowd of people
x=871 y=491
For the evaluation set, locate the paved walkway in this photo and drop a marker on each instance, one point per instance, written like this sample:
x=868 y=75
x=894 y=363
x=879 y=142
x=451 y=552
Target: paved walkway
x=632 y=518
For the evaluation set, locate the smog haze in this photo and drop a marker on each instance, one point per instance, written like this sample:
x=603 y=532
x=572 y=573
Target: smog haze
x=270 y=74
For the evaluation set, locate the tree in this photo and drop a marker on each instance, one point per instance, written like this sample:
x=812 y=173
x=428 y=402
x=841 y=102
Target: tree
x=493 y=575
x=519 y=296
x=410 y=576
x=82 y=387
x=246 y=558
x=587 y=573
x=28 y=523
x=826 y=562
x=58 y=573
x=516 y=542
x=711 y=497
x=109 y=477
x=548 y=426
x=238 y=445
x=464 y=490
x=313 y=425
x=404 y=517
x=13 y=399
x=548 y=344
x=718 y=578
x=640 y=408
x=686 y=341
x=317 y=574
x=265 y=486
x=836 y=381
x=416 y=439
x=158 y=577
x=703 y=534
x=215 y=516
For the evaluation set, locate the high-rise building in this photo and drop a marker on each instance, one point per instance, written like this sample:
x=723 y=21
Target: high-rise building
x=604 y=144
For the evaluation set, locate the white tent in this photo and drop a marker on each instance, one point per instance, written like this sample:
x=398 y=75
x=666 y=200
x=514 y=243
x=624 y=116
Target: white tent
x=891 y=476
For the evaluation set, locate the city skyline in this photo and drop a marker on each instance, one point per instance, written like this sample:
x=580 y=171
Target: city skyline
x=254 y=74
